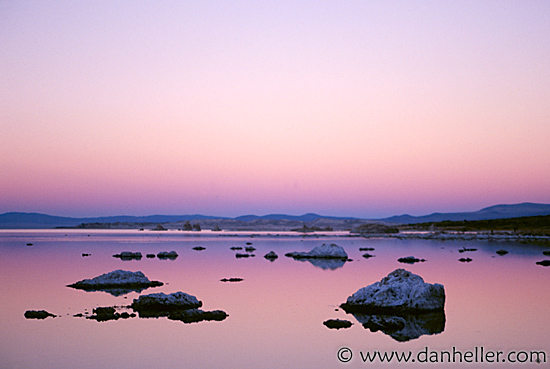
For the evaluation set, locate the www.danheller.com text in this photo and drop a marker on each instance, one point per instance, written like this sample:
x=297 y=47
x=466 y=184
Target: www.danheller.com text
x=454 y=355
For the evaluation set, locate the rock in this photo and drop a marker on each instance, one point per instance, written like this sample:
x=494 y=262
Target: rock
x=129 y=255
x=187 y=226
x=401 y=292
x=374 y=228
x=464 y=249
x=150 y=256
x=271 y=256
x=410 y=260
x=250 y=249
x=37 y=314
x=236 y=248
x=197 y=227
x=197 y=315
x=163 y=255
x=159 y=228
x=163 y=302
x=324 y=251
x=546 y=252
x=543 y=263
x=117 y=282
x=29 y=244
x=85 y=255
x=216 y=228
x=239 y=255
x=464 y=260
x=249 y=243
x=501 y=252
x=366 y=249
x=103 y=314
x=337 y=323
x=367 y=255
x=199 y=248
x=306 y=229
x=232 y=280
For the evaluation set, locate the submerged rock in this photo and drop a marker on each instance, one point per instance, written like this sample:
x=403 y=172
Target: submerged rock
x=401 y=292
x=324 y=251
x=337 y=323
x=38 y=314
x=117 y=282
x=271 y=256
x=163 y=255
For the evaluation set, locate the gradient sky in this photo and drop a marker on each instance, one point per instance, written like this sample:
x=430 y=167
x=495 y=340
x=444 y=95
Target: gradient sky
x=360 y=108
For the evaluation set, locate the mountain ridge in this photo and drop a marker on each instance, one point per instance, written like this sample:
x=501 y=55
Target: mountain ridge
x=22 y=220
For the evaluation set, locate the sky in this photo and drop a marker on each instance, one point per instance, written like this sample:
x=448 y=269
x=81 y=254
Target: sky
x=343 y=108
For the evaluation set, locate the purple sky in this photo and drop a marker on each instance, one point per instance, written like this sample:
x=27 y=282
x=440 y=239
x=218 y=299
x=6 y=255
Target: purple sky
x=359 y=108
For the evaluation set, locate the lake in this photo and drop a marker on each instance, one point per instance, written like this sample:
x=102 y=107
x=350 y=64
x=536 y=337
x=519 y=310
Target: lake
x=493 y=303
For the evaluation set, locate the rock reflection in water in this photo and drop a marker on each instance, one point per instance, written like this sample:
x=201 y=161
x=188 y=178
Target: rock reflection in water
x=326 y=264
x=404 y=328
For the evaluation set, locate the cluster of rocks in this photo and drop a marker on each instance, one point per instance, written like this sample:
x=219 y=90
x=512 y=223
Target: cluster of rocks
x=374 y=228
x=195 y=227
x=163 y=255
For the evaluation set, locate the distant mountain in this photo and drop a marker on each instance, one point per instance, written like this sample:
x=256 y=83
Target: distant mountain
x=37 y=221
x=492 y=212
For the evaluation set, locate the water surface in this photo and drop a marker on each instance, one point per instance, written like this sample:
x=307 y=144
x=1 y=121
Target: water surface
x=276 y=313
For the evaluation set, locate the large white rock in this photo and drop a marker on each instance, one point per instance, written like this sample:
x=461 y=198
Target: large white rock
x=400 y=292
x=324 y=251
x=116 y=279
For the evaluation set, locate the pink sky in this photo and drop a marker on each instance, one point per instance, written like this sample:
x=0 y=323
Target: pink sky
x=366 y=109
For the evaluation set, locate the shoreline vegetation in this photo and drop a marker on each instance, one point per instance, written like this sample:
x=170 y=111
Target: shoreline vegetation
x=519 y=228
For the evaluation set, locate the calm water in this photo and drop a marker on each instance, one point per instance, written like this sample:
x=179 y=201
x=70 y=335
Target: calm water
x=276 y=314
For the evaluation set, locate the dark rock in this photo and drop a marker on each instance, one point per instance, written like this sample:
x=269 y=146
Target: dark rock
x=546 y=252
x=85 y=255
x=410 y=260
x=239 y=255
x=216 y=228
x=543 y=263
x=464 y=249
x=197 y=315
x=271 y=255
x=199 y=248
x=117 y=283
x=337 y=323
x=103 y=314
x=249 y=249
x=129 y=255
x=464 y=260
x=236 y=248
x=163 y=302
x=501 y=252
x=150 y=256
x=159 y=228
x=367 y=255
x=366 y=249
x=163 y=255
x=232 y=280
x=197 y=227
x=29 y=244
x=37 y=314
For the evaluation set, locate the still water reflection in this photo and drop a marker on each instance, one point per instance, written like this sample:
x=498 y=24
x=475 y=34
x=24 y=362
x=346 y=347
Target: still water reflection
x=275 y=314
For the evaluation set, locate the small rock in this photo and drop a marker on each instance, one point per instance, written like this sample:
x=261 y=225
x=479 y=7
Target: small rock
x=410 y=260
x=366 y=249
x=546 y=252
x=464 y=260
x=337 y=323
x=367 y=255
x=129 y=255
x=232 y=280
x=501 y=252
x=249 y=249
x=236 y=248
x=37 y=314
x=543 y=263
x=199 y=248
x=271 y=255
x=163 y=255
